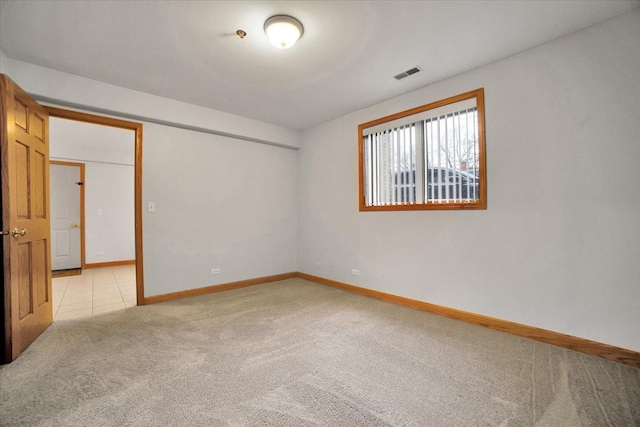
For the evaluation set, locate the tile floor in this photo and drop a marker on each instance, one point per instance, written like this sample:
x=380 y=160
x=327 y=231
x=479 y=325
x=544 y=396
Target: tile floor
x=95 y=291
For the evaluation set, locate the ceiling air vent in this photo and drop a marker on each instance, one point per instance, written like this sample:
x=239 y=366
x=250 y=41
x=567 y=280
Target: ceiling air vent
x=408 y=73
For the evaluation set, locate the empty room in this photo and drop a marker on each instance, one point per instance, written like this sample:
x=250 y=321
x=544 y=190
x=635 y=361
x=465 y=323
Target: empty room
x=338 y=213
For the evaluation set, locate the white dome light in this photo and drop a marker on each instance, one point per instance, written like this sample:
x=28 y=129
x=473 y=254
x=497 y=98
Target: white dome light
x=283 y=31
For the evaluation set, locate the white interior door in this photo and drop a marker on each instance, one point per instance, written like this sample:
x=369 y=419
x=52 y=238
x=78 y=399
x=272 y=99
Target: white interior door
x=65 y=217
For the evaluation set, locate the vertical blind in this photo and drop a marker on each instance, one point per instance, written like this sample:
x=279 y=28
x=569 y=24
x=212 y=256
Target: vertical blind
x=430 y=157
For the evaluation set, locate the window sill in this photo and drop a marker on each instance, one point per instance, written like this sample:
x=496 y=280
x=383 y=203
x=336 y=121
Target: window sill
x=426 y=207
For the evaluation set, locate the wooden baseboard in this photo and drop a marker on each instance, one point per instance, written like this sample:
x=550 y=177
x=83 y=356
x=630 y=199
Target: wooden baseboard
x=594 y=348
x=110 y=263
x=218 y=288
x=65 y=273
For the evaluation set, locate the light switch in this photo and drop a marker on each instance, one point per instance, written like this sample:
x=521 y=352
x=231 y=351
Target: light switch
x=151 y=207
x=99 y=211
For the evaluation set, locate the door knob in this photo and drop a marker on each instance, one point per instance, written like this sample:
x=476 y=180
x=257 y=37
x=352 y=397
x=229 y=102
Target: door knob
x=15 y=232
x=76 y=225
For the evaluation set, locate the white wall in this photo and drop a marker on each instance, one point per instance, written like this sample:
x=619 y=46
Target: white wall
x=4 y=63
x=558 y=246
x=110 y=188
x=108 y=155
x=87 y=141
x=220 y=203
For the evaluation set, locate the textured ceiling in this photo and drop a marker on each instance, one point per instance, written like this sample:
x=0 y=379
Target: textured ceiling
x=345 y=60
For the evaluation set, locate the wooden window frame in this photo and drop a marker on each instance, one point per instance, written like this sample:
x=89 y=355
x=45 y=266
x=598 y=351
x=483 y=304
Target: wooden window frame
x=481 y=203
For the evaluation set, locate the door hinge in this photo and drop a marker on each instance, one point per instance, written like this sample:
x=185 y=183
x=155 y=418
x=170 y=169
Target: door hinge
x=80 y=183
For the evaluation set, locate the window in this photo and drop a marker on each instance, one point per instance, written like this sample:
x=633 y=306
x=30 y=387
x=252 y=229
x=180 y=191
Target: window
x=429 y=157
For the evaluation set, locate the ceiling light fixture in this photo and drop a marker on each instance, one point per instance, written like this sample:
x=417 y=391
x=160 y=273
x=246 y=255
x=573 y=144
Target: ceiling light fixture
x=283 y=31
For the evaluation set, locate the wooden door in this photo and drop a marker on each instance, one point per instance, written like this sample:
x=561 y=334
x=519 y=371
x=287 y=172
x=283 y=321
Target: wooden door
x=25 y=218
x=65 y=179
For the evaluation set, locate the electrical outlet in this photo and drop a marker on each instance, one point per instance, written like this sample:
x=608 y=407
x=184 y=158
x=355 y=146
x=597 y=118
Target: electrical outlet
x=215 y=271
x=100 y=253
x=318 y=265
x=355 y=272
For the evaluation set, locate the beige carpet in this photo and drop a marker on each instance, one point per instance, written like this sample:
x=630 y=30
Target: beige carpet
x=298 y=353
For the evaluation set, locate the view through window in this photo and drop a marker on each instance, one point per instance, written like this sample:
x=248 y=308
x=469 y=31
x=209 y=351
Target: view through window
x=430 y=157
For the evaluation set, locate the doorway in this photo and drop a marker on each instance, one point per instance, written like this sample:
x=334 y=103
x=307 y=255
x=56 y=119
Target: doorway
x=92 y=218
x=24 y=134
x=111 y=275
